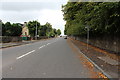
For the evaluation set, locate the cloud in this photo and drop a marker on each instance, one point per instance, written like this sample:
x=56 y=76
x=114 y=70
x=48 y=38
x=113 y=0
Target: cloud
x=33 y=1
x=28 y=6
x=18 y=17
x=20 y=12
x=55 y=17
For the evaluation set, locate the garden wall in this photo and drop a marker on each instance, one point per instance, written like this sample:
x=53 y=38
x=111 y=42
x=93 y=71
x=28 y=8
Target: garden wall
x=6 y=39
x=105 y=42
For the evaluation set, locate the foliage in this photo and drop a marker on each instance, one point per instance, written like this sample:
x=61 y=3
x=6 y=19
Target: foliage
x=32 y=27
x=42 y=30
x=101 y=17
x=9 y=29
x=58 y=32
x=15 y=29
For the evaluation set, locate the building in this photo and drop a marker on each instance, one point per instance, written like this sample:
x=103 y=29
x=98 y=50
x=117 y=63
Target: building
x=25 y=30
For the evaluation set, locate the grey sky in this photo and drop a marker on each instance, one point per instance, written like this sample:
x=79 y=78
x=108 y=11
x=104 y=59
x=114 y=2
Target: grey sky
x=19 y=11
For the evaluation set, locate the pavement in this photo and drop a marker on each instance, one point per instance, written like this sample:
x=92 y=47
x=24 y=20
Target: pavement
x=54 y=58
x=12 y=44
x=108 y=62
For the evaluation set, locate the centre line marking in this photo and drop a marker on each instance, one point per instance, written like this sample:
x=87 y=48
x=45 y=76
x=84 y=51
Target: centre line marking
x=41 y=46
x=48 y=43
x=25 y=54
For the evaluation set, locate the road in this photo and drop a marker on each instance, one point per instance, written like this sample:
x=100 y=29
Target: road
x=52 y=58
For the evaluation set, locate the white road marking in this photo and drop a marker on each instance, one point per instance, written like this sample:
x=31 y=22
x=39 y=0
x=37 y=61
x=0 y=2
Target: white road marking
x=51 y=43
x=41 y=46
x=48 y=43
x=25 y=54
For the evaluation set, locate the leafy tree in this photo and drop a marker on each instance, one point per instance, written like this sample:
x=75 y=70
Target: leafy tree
x=55 y=31
x=7 y=28
x=59 y=32
x=1 y=24
x=102 y=18
x=43 y=30
x=49 y=29
x=3 y=29
x=16 y=29
x=52 y=34
x=32 y=27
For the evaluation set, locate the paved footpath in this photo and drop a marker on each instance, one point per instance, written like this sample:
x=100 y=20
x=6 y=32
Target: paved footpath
x=108 y=62
x=11 y=44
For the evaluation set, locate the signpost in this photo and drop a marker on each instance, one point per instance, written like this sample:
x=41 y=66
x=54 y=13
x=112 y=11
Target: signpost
x=87 y=35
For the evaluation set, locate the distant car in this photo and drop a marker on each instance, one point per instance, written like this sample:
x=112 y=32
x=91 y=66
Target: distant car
x=65 y=37
x=60 y=36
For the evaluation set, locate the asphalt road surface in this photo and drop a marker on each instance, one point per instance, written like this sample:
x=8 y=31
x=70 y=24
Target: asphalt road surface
x=52 y=58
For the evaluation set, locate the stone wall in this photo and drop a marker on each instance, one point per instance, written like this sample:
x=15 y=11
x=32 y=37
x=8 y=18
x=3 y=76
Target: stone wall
x=6 y=39
x=105 y=42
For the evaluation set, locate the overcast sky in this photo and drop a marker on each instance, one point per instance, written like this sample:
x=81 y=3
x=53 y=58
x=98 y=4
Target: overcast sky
x=20 y=11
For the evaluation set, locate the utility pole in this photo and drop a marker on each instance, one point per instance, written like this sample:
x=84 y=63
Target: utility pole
x=36 y=30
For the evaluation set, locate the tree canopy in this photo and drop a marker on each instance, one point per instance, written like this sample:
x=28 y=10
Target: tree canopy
x=42 y=30
x=101 y=17
x=58 y=32
x=9 y=29
x=15 y=29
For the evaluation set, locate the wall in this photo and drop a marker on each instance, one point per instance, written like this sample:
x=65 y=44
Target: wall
x=6 y=39
x=105 y=42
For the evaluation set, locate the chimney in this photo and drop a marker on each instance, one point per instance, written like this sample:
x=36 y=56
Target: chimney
x=25 y=23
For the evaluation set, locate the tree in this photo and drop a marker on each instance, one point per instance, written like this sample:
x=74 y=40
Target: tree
x=32 y=27
x=55 y=31
x=52 y=34
x=1 y=25
x=16 y=29
x=49 y=29
x=3 y=29
x=59 y=32
x=43 y=30
x=102 y=18
x=7 y=29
